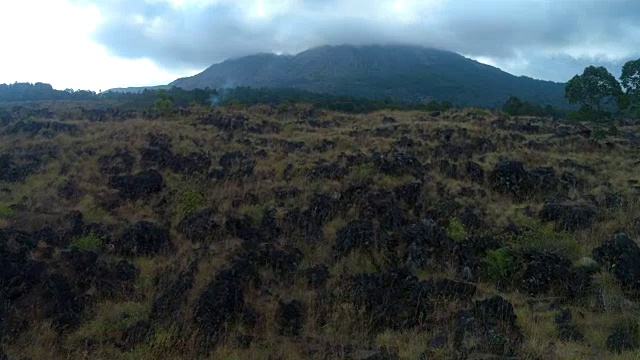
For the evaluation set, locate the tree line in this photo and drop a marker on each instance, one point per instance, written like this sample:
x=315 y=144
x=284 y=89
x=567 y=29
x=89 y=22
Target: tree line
x=601 y=96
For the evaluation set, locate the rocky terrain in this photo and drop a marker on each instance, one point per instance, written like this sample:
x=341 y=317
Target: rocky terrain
x=274 y=233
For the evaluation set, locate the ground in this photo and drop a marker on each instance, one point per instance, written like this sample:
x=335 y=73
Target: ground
x=297 y=233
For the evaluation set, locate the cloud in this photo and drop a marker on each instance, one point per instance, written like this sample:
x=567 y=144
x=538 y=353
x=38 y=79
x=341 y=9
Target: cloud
x=549 y=39
x=52 y=44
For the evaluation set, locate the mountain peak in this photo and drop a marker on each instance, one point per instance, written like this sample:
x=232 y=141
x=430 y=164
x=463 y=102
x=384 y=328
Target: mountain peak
x=402 y=72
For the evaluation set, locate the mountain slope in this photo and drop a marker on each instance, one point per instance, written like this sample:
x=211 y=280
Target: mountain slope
x=375 y=71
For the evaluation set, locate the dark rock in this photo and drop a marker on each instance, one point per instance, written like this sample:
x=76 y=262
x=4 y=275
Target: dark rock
x=493 y=323
x=63 y=304
x=68 y=190
x=621 y=340
x=317 y=276
x=398 y=163
x=510 y=177
x=290 y=318
x=448 y=289
x=244 y=341
x=119 y=162
x=427 y=244
x=284 y=262
x=199 y=226
x=570 y=181
x=249 y=317
x=474 y=172
x=391 y=299
x=357 y=234
x=326 y=171
x=383 y=353
x=438 y=342
x=221 y=302
x=143 y=238
x=569 y=217
x=621 y=255
x=223 y=122
x=449 y=169
x=139 y=185
x=11 y=172
x=409 y=193
x=544 y=180
x=167 y=305
x=324 y=146
x=566 y=330
x=285 y=193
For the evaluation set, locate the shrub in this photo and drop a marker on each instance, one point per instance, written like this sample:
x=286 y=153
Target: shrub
x=90 y=242
x=5 y=211
x=456 y=230
x=190 y=201
x=499 y=264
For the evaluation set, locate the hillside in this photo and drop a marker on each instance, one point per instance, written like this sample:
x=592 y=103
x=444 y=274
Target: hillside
x=297 y=233
x=404 y=73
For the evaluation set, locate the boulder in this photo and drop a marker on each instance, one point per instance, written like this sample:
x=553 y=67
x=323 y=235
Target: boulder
x=290 y=318
x=569 y=217
x=199 y=226
x=143 y=238
x=621 y=256
x=511 y=178
x=139 y=185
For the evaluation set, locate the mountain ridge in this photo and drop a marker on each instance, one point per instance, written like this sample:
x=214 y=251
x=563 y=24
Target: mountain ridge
x=400 y=72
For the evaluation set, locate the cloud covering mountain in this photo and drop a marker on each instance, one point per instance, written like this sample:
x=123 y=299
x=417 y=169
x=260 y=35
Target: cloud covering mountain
x=540 y=38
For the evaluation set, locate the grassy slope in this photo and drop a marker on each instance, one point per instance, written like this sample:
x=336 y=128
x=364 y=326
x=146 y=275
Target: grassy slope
x=78 y=160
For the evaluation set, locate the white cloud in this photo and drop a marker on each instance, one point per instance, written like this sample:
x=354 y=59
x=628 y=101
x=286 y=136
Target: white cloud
x=50 y=41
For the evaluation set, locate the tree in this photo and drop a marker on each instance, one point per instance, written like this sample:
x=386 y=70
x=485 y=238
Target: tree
x=630 y=77
x=164 y=103
x=630 y=80
x=595 y=90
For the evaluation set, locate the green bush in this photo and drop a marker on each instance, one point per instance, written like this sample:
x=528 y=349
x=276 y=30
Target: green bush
x=456 y=230
x=499 y=264
x=90 y=242
x=189 y=201
x=5 y=211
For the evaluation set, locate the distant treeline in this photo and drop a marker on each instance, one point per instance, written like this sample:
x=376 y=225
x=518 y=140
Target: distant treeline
x=166 y=100
x=41 y=91
x=275 y=96
x=516 y=107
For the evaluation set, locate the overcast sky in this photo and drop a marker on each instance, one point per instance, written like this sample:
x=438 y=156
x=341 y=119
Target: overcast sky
x=100 y=44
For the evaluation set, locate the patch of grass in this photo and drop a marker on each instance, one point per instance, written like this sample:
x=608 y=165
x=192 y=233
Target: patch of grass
x=362 y=172
x=456 y=230
x=110 y=320
x=189 y=201
x=5 y=211
x=90 y=242
x=544 y=236
x=499 y=264
x=256 y=212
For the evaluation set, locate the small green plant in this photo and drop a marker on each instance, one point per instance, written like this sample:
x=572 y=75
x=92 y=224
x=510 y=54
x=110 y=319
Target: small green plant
x=544 y=236
x=190 y=201
x=90 y=242
x=5 y=211
x=499 y=264
x=456 y=230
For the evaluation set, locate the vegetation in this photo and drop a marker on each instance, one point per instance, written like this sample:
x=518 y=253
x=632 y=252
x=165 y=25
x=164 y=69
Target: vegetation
x=516 y=107
x=600 y=95
x=90 y=242
x=456 y=230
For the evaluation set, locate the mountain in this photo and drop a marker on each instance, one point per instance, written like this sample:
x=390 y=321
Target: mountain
x=408 y=73
x=139 y=89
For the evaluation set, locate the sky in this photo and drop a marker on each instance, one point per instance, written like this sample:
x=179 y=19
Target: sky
x=102 y=44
